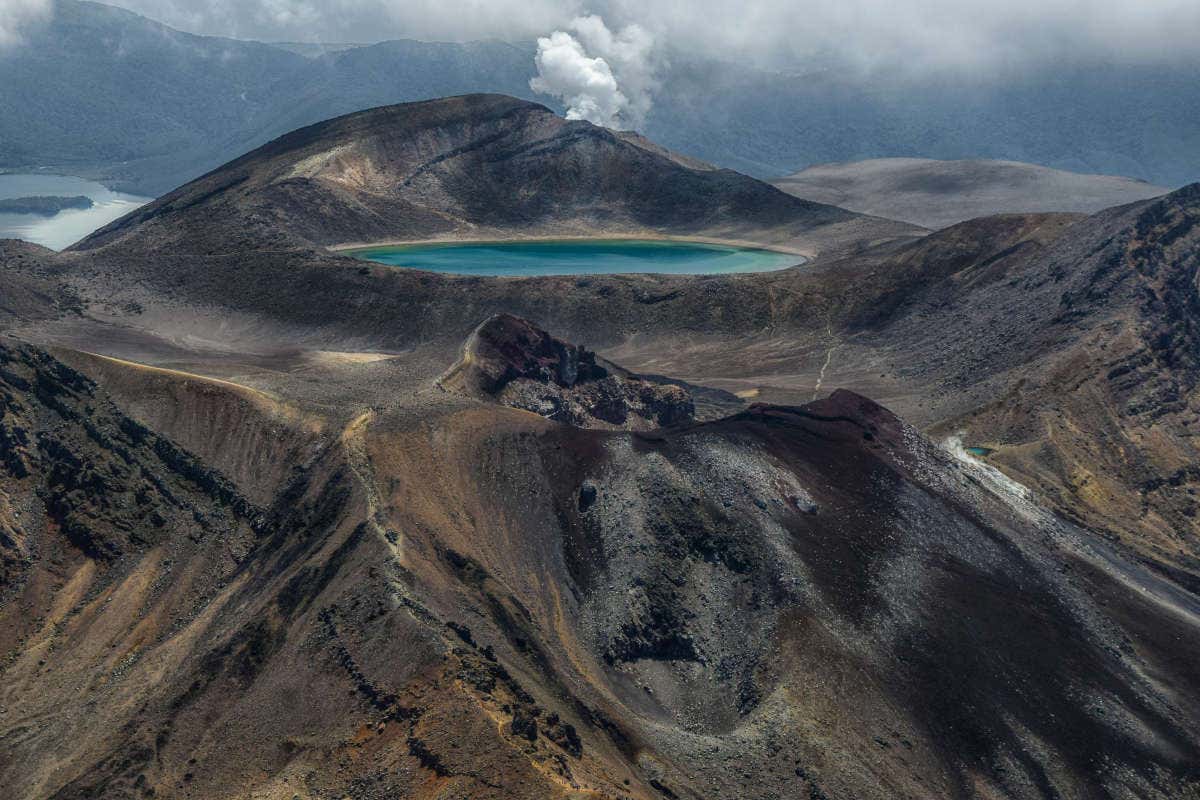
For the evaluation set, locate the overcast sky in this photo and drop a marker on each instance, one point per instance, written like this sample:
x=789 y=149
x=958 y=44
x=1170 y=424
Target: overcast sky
x=962 y=34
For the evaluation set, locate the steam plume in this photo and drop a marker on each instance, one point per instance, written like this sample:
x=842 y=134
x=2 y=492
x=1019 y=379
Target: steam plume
x=603 y=77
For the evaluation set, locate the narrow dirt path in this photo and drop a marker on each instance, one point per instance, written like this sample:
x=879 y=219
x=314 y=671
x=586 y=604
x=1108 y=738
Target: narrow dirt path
x=354 y=443
x=825 y=366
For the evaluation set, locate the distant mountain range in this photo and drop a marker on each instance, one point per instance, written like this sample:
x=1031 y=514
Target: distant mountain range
x=107 y=93
x=936 y=194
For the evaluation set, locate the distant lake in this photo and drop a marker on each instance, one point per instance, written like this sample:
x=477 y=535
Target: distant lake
x=66 y=227
x=579 y=257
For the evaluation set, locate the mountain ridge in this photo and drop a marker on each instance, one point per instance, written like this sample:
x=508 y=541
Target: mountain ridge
x=434 y=169
x=937 y=194
x=485 y=682
x=933 y=531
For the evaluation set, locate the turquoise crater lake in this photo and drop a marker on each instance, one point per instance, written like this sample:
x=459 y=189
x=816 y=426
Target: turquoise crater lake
x=579 y=257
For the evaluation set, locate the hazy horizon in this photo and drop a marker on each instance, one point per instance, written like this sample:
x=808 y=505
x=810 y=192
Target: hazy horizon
x=763 y=88
x=867 y=35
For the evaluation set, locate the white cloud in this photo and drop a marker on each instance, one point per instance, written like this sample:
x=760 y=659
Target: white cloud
x=601 y=76
x=585 y=84
x=919 y=34
x=16 y=15
x=359 y=20
x=869 y=35
x=631 y=54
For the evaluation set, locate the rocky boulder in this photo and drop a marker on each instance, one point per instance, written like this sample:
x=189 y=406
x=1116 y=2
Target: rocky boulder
x=511 y=361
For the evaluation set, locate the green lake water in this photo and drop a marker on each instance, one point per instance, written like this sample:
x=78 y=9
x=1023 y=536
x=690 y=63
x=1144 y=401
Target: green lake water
x=579 y=257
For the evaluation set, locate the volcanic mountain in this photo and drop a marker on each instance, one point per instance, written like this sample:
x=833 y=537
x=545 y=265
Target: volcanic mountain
x=274 y=521
x=937 y=194
x=474 y=166
x=480 y=601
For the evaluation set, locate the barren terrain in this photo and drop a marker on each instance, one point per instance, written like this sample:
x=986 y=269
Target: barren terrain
x=277 y=522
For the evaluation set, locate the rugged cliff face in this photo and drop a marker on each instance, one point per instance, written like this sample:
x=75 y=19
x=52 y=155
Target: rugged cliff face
x=276 y=521
x=472 y=599
x=516 y=363
x=1069 y=350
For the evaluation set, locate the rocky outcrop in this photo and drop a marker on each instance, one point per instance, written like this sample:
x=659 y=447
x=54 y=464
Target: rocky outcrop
x=486 y=605
x=78 y=465
x=512 y=361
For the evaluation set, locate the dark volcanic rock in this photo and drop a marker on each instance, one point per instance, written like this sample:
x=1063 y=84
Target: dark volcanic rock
x=518 y=364
x=507 y=348
x=486 y=602
x=106 y=484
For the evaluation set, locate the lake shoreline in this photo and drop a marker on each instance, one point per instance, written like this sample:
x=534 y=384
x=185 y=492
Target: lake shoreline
x=743 y=244
x=68 y=224
x=578 y=256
